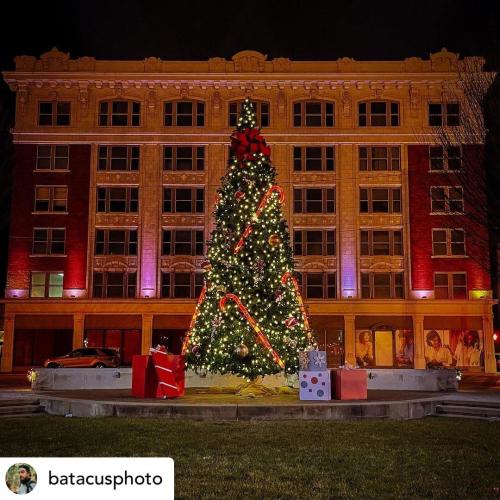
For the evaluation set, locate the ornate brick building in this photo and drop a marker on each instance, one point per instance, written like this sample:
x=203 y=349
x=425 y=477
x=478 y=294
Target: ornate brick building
x=117 y=164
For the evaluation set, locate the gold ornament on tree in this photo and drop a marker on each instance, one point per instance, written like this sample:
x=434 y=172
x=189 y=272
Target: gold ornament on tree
x=241 y=351
x=274 y=240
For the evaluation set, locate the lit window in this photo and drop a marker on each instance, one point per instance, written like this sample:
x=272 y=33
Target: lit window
x=46 y=284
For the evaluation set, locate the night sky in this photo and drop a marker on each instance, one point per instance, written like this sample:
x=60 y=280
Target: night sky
x=298 y=29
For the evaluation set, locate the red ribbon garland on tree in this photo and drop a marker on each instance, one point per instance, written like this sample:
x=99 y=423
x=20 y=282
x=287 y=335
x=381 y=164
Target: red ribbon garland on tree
x=247 y=143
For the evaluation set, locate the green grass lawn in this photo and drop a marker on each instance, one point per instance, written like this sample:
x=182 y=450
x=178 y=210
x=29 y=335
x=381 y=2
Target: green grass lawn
x=429 y=458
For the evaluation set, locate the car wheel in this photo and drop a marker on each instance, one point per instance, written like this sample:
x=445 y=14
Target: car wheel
x=99 y=365
x=53 y=365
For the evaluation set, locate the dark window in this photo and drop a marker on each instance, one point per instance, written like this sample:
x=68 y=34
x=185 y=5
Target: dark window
x=374 y=242
x=378 y=114
x=314 y=200
x=315 y=158
x=51 y=198
x=379 y=158
x=449 y=158
x=116 y=242
x=261 y=111
x=181 y=285
x=120 y=113
x=52 y=157
x=183 y=200
x=447 y=242
x=49 y=241
x=182 y=242
x=444 y=114
x=54 y=113
x=118 y=158
x=447 y=199
x=184 y=114
x=118 y=199
x=183 y=158
x=113 y=285
x=313 y=114
x=321 y=285
x=314 y=242
x=382 y=285
x=450 y=285
x=380 y=200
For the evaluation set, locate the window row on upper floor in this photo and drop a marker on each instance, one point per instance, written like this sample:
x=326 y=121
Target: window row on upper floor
x=446 y=242
x=191 y=199
x=188 y=285
x=193 y=113
x=194 y=158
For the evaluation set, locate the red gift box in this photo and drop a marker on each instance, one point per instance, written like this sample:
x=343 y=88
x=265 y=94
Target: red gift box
x=350 y=384
x=159 y=375
x=170 y=372
x=144 y=379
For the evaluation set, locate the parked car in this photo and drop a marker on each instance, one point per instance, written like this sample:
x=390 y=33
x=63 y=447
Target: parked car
x=88 y=357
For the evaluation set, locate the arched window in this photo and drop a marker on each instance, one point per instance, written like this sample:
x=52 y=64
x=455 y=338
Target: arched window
x=313 y=114
x=119 y=113
x=378 y=114
x=184 y=114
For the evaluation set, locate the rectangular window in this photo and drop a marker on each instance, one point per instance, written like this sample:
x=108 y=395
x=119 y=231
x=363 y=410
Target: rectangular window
x=314 y=242
x=375 y=242
x=183 y=200
x=51 y=198
x=261 y=111
x=379 y=158
x=118 y=158
x=444 y=114
x=116 y=242
x=321 y=285
x=380 y=200
x=49 y=241
x=378 y=114
x=314 y=159
x=445 y=159
x=52 y=157
x=54 y=113
x=450 y=285
x=181 y=285
x=314 y=200
x=448 y=242
x=313 y=114
x=111 y=285
x=447 y=199
x=182 y=242
x=184 y=114
x=118 y=199
x=120 y=113
x=382 y=285
x=46 y=284
x=183 y=158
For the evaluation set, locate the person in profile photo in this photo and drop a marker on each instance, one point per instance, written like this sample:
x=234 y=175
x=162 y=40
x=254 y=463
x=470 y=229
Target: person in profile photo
x=436 y=355
x=364 y=349
x=26 y=481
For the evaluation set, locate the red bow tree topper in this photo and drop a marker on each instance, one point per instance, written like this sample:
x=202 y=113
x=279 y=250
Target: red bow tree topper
x=247 y=143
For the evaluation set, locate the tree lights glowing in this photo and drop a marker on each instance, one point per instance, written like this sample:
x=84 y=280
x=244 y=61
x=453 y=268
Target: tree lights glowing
x=249 y=321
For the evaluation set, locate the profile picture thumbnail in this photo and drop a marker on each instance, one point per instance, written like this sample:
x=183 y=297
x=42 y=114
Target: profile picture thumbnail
x=21 y=478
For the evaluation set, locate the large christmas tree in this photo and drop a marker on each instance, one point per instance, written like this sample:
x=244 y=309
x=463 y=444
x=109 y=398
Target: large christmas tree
x=250 y=319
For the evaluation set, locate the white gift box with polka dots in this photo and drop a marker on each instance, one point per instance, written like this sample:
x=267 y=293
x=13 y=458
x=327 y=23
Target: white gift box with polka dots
x=315 y=385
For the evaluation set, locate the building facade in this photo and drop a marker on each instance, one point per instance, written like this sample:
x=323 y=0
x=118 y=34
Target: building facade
x=117 y=165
